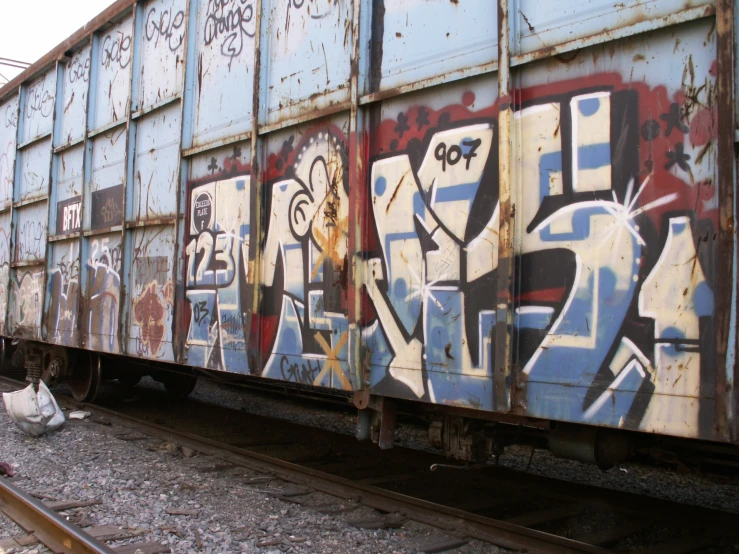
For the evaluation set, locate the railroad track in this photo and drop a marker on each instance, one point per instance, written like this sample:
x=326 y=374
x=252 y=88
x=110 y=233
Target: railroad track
x=516 y=511
x=42 y=524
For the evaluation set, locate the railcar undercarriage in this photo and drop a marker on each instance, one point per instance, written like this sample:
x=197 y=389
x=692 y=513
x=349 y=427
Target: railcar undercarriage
x=468 y=436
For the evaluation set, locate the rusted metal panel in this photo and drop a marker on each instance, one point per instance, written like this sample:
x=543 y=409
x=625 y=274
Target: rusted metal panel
x=414 y=40
x=507 y=197
x=216 y=249
x=617 y=171
x=101 y=308
x=62 y=302
x=103 y=207
x=29 y=240
x=224 y=69
x=76 y=78
x=8 y=135
x=24 y=303
x=151 y=293
x=113 y=81
x=432 y=242
x=61 y=325
x=304 y=321
x=164 y=31
x=306 y=57
x=63 y=295
x=156 y=165
x=542 y=25
x=356 y=218
x=68 y=185
x=8 y=131
x=725 y=422
x=33 y=168
x=38 y=107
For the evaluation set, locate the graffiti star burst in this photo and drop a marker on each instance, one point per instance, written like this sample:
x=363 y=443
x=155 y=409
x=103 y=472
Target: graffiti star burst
x=423 y=289
x=625 y=213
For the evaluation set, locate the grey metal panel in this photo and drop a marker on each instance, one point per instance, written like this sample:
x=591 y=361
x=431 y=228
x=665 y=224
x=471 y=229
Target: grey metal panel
x=162 y=51
x=545 y=24
x=151 y=293
x=224 y=72
x=75 y=79
x=108 y=172
x=115 y=53
x=306 y=49
x=64 y=295
x=419 y=39
x=235 y=158
x=25 y=298
x=34 y=163
x=29 y=242
x=156 y=166
x=8 y=129
x=69 y=173
x=102 y=264
x=38 y=112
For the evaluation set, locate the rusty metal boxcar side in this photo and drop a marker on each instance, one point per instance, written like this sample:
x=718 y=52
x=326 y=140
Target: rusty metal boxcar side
x=516 y=207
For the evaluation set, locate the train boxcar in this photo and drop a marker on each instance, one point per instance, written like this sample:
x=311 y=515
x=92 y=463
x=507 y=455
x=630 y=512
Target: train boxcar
x=504 y=213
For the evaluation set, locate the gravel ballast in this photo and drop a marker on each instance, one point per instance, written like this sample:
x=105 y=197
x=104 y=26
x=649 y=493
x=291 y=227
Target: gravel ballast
x=139 y=481
x=143 y=483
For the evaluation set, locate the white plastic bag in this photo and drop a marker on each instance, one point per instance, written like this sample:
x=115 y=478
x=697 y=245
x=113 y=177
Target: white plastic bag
x=35 y=413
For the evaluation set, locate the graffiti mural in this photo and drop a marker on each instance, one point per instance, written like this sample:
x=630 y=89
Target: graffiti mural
x=429 y=259
x=151 y=313
x=24 y=313
x=103 y=294
x=357 y=246
x=62 y=291
x=216 y=275
x=305 y=261
x=613 y=301
x=301 y=330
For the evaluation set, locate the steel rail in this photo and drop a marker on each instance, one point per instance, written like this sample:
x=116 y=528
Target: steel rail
x=49 y=527
x=451 y=520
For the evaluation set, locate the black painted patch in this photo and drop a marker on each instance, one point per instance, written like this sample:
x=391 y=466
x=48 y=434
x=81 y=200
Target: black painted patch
x=202 y=211
x=69 y=215
x=106 y=207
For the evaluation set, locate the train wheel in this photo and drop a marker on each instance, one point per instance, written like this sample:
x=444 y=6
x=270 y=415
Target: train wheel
x=178 y=387
x=58 y=362
x=84 y=382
